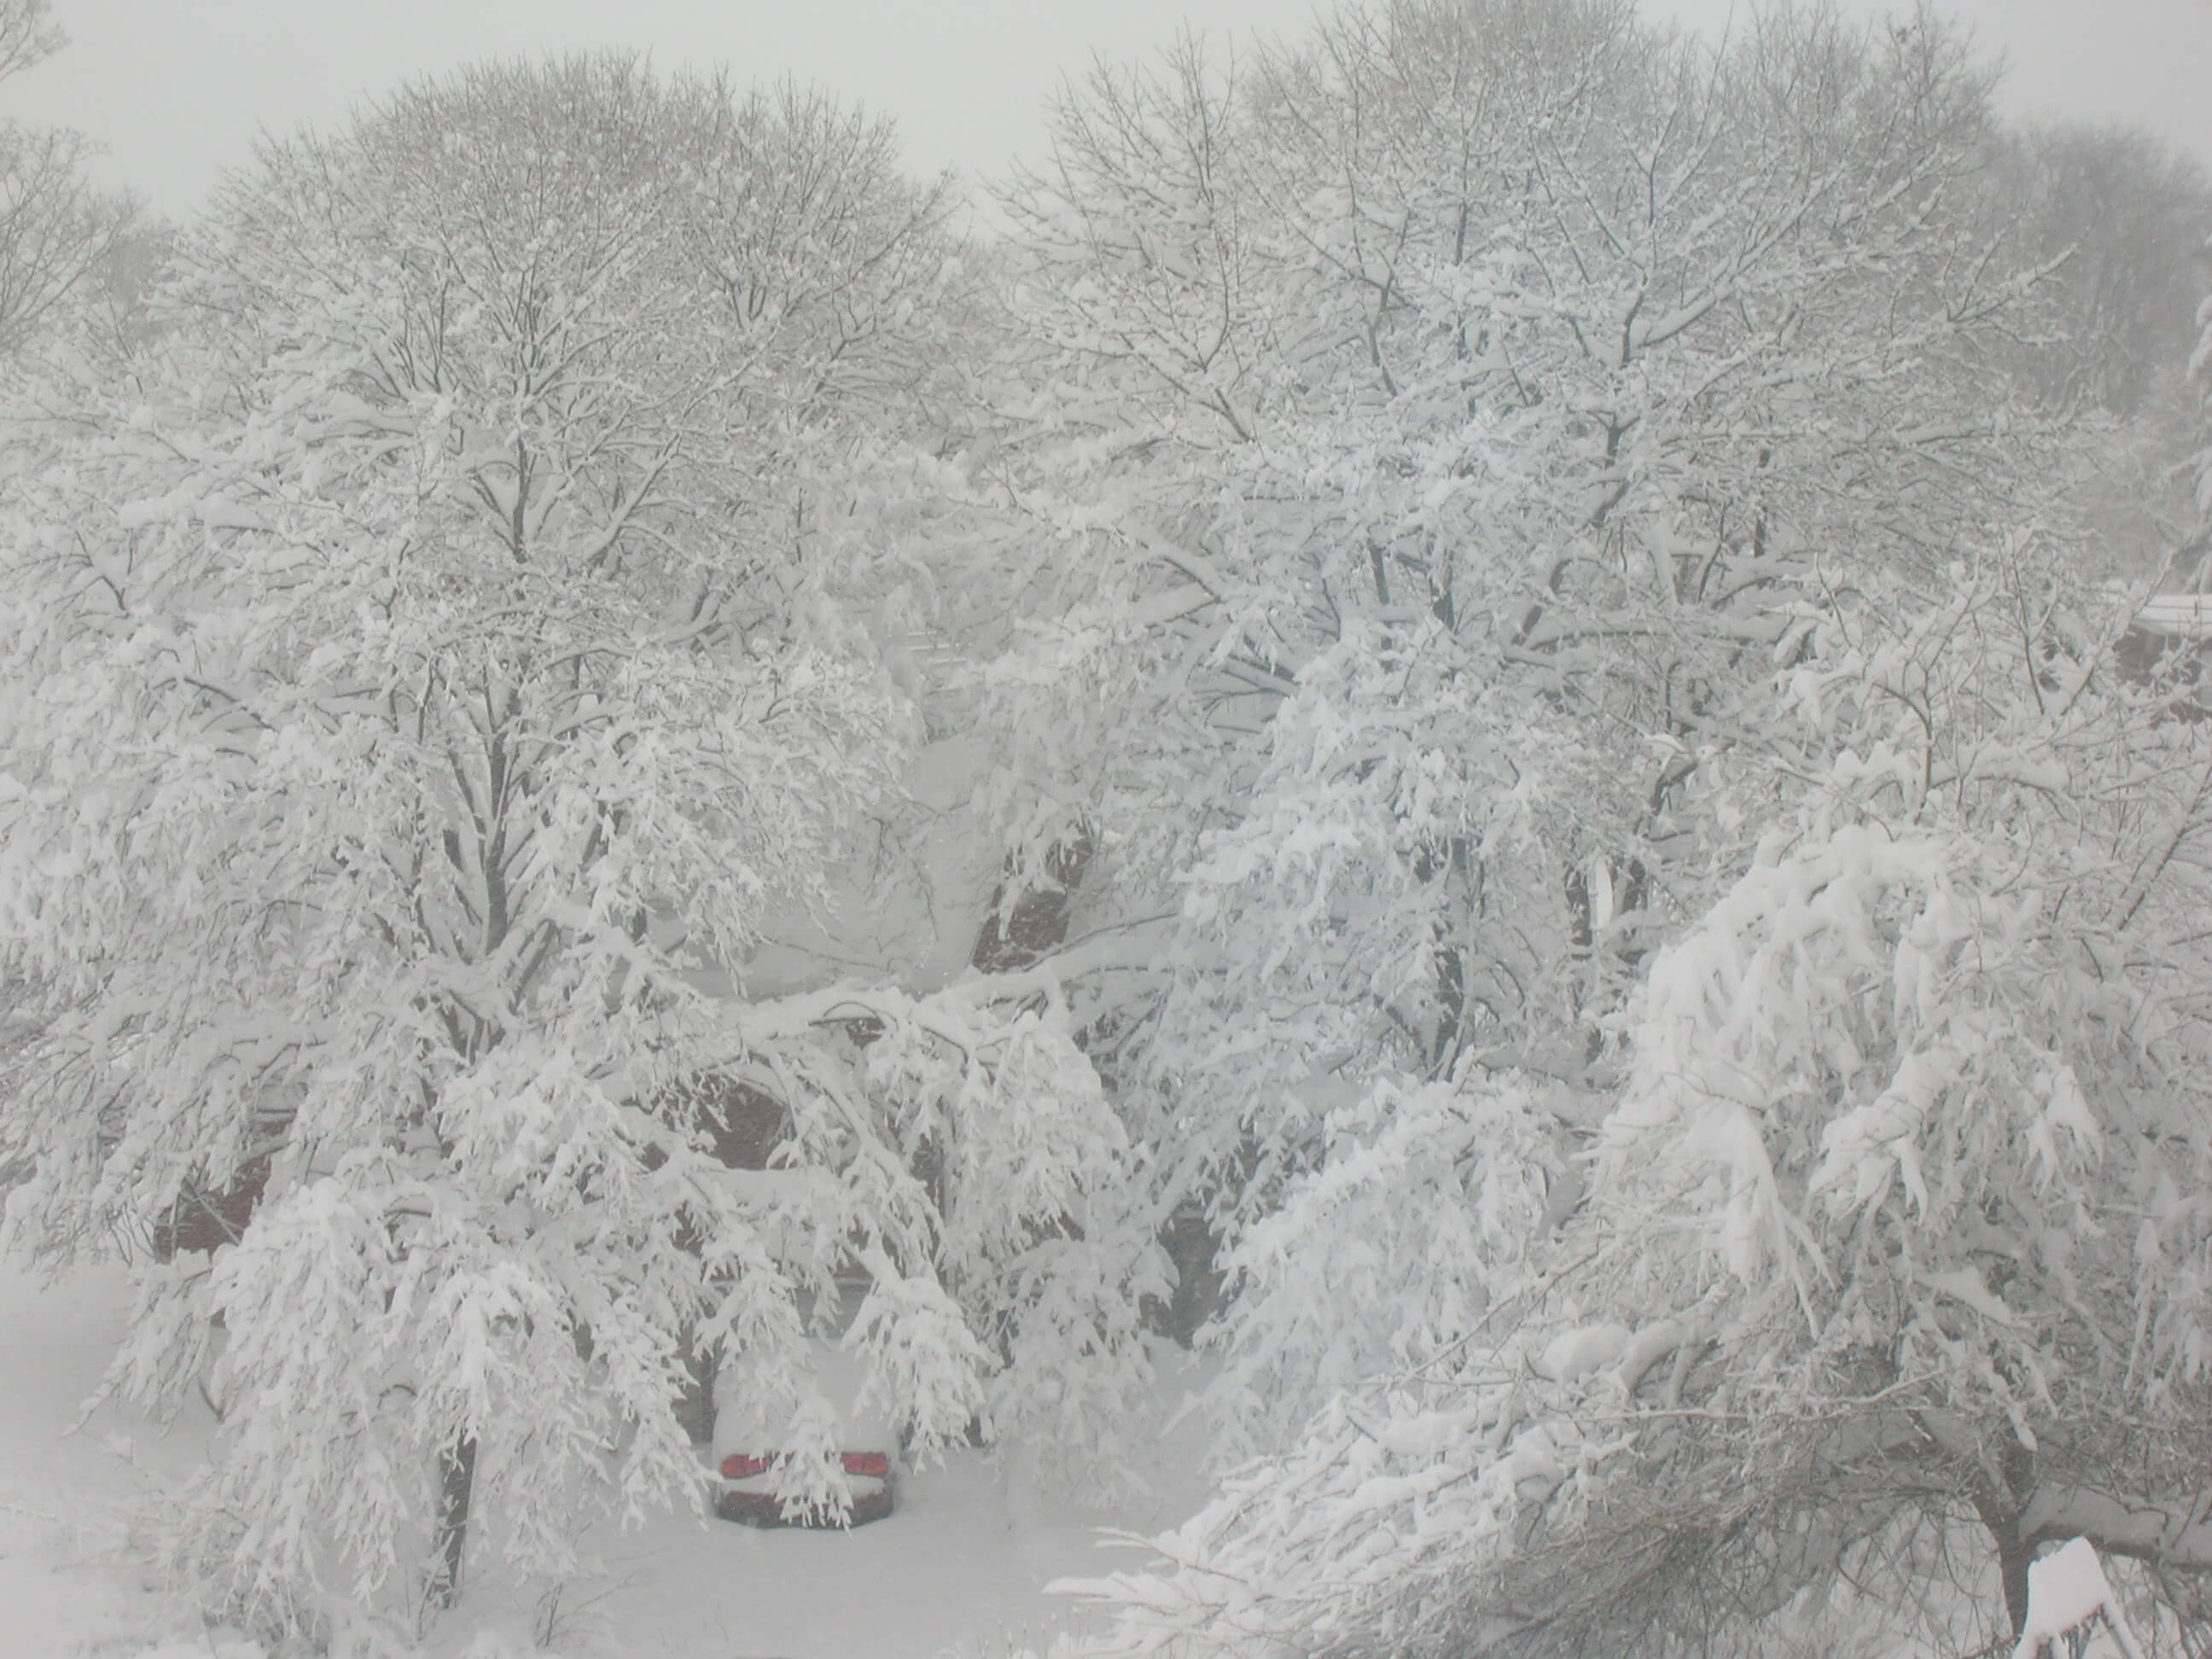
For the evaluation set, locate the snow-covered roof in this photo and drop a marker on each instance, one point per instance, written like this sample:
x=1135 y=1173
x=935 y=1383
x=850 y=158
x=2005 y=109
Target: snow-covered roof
x=2177 y=616
x=908 y=916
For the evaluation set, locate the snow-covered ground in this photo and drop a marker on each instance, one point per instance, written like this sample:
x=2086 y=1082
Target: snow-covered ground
x=959 y=1570
x=71 y=1497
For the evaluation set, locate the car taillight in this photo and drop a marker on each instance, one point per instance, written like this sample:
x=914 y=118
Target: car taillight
x=873 y=1463
x=742 y=1465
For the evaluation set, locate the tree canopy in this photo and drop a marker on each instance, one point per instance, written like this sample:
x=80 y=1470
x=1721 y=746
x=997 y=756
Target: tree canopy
x=1481 y=657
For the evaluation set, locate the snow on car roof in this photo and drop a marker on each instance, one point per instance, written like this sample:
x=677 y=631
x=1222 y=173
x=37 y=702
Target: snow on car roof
x=740 y=1425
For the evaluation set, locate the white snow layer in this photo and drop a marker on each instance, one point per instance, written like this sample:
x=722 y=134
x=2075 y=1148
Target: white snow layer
x=2066 y=1589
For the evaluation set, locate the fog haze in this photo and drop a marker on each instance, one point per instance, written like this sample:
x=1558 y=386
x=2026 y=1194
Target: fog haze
x=176 y=92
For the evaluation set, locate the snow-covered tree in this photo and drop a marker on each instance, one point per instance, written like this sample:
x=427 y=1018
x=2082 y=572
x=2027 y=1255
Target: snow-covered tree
x=2129 y=215
x=1464 y=413
x=1889 y=1243
x=56 y=231
x=1498 y=437
x=427 y=673
x=2109 y=338
x=2200 y=374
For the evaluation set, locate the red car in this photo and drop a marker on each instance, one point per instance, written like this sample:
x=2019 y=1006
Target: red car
x=747 y=1453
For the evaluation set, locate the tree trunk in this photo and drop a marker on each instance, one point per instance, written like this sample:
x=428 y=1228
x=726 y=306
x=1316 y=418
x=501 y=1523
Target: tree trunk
x=457 y=1484
x=694 y=1406
x=2013 y=1554
x=2000 y=1500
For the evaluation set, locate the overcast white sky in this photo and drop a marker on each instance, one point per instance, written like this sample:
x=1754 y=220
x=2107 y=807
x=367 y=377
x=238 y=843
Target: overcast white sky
x=176 y=88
